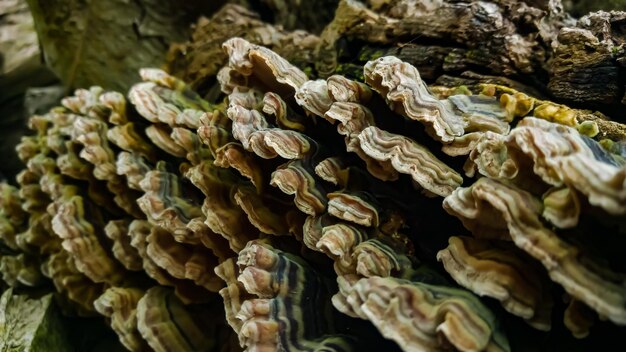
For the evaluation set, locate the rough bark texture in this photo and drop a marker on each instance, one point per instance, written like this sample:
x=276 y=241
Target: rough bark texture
x=135 y=34
x=448 y=41
x=297 y=14
x=199 y=60
x=20 y=68
x=18 y=43
x=580 y=8
x=500 y=38
x=533 y=46
x=589 y=61
x=106 y=42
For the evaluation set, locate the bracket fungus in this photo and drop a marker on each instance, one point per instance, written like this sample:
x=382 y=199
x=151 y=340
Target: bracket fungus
x=496 y=270
x=423 y=317
x=291 y=204
x=406 y=93
x=595 y=285
x=120 y=306
x=408 y=157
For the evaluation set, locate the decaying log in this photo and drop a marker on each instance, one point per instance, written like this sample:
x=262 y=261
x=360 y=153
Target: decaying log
x=301 y=173
x=106 y=42
x=589 y=61
x=580 y=8
x=20 y=68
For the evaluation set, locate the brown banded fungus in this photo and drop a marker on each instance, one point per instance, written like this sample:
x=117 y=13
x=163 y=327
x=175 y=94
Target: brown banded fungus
x=497 y=270
x=597 y=286
x=144 y=211
x=283 y=316
x=424 y=317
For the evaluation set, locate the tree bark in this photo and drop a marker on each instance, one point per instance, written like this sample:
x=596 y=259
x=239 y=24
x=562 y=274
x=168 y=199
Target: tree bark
x=20 y=68
x=580 y=8
x=88 y=42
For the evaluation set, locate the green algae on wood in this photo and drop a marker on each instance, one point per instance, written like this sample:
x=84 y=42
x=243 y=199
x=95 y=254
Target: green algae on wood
x=31 y=325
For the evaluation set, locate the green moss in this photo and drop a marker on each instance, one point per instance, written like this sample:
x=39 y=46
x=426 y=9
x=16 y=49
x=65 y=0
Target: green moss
x=608 y=144
x=308 y=71
x=369 y=53
x=352 y=71
x=616 y=50
x=588 y=128
x=461 y=90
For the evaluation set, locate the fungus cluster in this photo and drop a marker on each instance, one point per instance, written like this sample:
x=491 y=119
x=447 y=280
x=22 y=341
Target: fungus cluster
x=265 y=217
